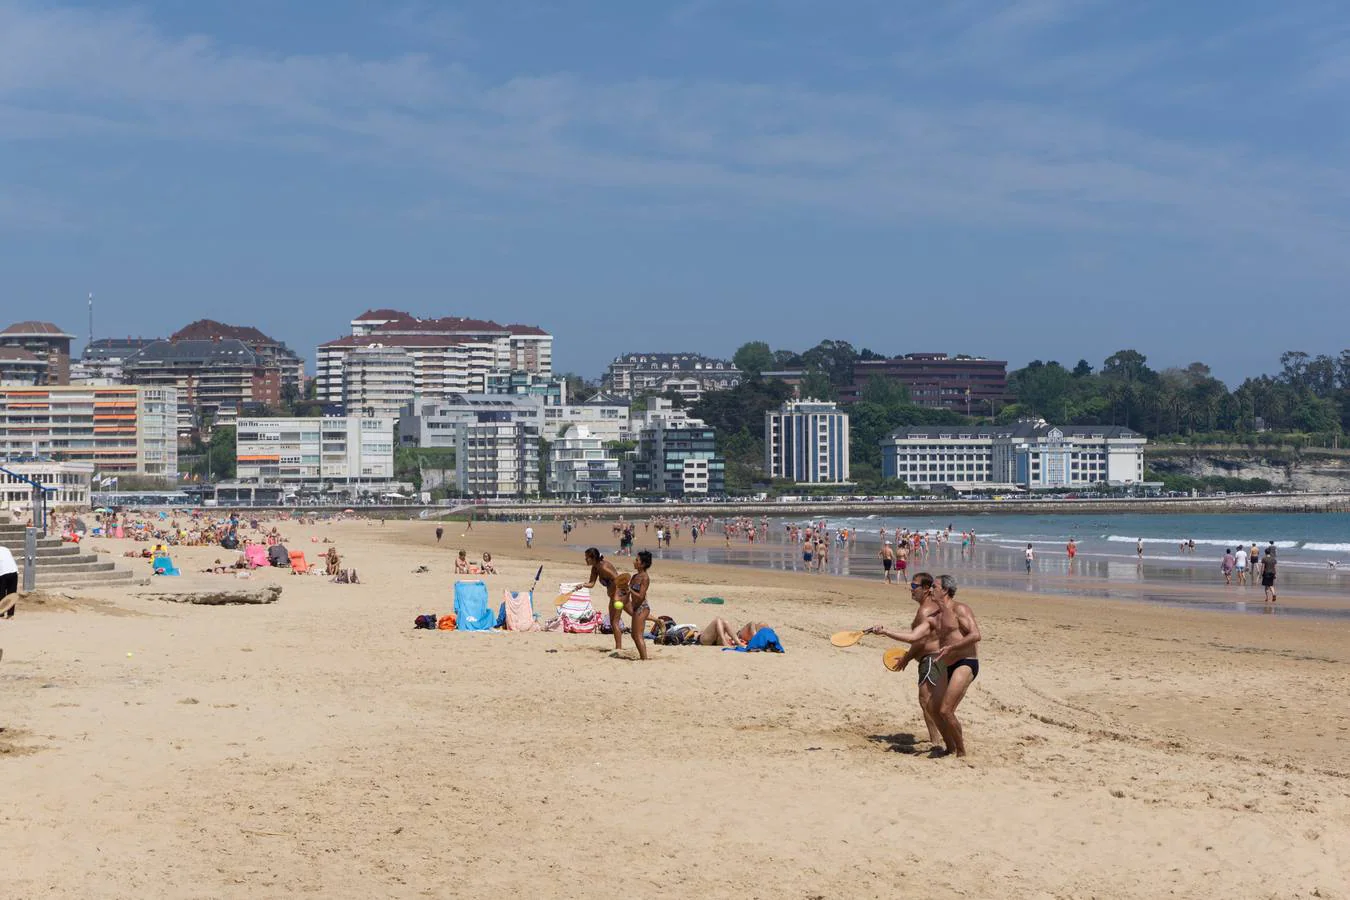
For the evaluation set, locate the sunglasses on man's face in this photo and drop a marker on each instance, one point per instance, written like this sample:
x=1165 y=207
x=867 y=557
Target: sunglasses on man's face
x=914 y=585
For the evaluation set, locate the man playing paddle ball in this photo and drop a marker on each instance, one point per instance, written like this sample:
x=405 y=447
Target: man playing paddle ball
x=959 y=634
x=931 y=674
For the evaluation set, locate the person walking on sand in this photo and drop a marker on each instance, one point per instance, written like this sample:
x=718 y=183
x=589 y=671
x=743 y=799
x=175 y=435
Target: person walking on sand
x=1268 y=573
x=529 y=537
x=439 y=531
x=931 y=674
x=1240 y=566
x=887 y=562
x=1226 y=567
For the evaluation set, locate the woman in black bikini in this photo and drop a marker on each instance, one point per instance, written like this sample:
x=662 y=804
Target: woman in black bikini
x=603 y=571
x=637 y=605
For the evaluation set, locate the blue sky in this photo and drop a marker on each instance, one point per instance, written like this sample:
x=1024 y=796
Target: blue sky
x=1021 y=179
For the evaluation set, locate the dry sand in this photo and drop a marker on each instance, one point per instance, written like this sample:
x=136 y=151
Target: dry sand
x=320 y=745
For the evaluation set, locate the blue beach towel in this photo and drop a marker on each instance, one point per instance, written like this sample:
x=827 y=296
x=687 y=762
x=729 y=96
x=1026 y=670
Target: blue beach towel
x=764 y=641
x=165 y=563
x=471 y=607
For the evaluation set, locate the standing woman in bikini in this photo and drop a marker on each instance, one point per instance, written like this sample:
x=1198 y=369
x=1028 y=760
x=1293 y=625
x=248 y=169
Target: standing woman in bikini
x=603 y=571
x=637 y=600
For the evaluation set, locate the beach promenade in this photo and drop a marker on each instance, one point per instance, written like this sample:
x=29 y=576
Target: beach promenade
x=321 y=746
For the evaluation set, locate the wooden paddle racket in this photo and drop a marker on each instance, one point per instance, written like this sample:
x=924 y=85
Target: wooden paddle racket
x=892 y=658
x=846 y=638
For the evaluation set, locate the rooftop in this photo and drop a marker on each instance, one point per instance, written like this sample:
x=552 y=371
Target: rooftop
x=210 y=329
x=228 y=351
x=1022 y=429
x=27 y=329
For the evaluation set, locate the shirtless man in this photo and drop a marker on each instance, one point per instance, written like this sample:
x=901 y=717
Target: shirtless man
x=931 y=675
x=887 y=561
x=960 y=635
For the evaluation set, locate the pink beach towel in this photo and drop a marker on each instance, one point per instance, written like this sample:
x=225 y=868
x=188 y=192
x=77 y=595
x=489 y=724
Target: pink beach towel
x=255 y=555
x=519 y=611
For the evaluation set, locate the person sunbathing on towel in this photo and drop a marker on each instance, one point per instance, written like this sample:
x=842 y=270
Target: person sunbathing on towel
x=748 y=631
x=603 y=571
x=718 y=633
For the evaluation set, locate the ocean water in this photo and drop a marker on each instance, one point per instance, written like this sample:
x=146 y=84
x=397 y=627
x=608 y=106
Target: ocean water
x=1303 y=540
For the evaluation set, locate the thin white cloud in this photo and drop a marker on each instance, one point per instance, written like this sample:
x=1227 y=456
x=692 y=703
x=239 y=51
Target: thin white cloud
x=710 y=145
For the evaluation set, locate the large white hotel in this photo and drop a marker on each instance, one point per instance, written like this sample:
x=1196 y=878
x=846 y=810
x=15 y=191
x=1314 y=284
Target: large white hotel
x=807 y=442
x=1029 y=454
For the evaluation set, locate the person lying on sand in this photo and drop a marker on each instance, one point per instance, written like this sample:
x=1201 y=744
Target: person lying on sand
x=718 y=633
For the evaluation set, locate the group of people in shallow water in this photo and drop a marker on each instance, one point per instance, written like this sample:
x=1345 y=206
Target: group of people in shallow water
x=626 y=593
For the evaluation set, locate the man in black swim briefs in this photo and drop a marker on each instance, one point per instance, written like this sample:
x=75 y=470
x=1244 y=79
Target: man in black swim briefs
x=960 y=635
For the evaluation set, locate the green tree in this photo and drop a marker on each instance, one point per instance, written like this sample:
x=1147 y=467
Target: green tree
x=753 y=358
x=1316 y=415
x=816 y=385
x=217 y=462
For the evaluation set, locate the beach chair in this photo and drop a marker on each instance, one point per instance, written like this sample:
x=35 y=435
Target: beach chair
x=519 y=611
x=255 y=555
x=577 y=614
x=472 y=612
x=163 y=565
x=299 y=565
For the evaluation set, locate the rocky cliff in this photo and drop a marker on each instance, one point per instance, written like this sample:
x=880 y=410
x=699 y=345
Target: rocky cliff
x=1318 y=470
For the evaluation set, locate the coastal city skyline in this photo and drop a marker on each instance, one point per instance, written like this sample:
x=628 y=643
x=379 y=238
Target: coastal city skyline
x=1024 y=174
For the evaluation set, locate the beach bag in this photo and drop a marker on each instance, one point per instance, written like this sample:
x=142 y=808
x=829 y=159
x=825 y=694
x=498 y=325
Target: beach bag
x=446 y=623
x=426 y=620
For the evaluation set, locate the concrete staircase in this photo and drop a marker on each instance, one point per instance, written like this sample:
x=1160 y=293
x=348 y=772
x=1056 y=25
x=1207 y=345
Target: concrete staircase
x=63 y=565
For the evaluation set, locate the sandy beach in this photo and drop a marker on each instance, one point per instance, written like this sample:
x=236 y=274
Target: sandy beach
x=321 y=746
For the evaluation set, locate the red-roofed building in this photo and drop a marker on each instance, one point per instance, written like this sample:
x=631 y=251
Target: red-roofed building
x=450 y=355
x=45 y=341
x=271 y=353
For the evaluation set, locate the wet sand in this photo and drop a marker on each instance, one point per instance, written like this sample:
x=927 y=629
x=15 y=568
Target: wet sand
x=320 y=745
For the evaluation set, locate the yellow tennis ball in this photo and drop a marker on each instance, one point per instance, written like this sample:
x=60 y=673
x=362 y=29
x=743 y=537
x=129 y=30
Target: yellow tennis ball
x=618 y=604
x=128 y=653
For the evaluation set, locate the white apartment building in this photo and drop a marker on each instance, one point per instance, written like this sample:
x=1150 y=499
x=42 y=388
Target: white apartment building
x=451 y=355
x=497 y=459
x=120 y=429
x=70 y=482
x=435 y=423
x=336 y=450
x=579 y=467
x=1029 y=454
x=807 y=441
x=605 y=416
x=377 y=381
